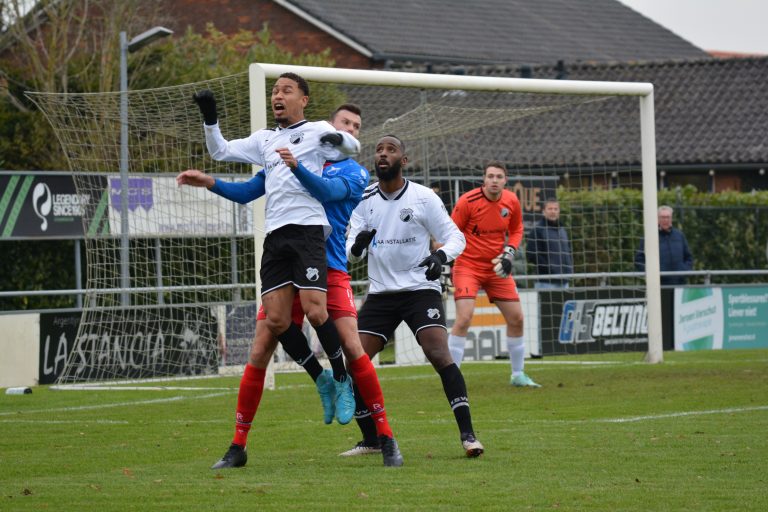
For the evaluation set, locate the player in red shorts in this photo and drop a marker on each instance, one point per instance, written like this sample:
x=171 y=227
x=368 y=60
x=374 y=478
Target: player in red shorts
x=492 y=222
x=339 y=189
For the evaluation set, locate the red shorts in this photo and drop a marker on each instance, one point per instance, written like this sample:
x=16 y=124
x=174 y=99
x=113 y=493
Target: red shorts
x=341 y=301
x=468 y=281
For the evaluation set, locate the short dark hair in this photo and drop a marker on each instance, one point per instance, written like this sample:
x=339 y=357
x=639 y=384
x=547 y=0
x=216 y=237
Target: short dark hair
x=398 y=139
x=495 y=163
x=303 y=85
x=349 y=107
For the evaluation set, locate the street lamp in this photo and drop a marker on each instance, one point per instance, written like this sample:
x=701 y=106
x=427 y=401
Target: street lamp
x=126 y=46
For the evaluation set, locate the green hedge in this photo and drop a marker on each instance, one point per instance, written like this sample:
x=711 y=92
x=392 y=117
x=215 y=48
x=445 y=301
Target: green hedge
x=725 y=231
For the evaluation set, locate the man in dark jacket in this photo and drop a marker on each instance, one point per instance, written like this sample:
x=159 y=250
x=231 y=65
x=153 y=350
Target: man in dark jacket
x=548 y=247
x=674 y=254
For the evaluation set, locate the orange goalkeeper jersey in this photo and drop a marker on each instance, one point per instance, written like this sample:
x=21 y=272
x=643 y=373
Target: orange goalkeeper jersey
x=487 y=225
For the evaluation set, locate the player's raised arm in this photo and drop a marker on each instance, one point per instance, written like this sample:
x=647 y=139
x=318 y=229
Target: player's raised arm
x=245 y=150
x=338 y=145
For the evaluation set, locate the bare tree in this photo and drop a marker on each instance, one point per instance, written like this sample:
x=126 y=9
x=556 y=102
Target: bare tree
x=55 y=43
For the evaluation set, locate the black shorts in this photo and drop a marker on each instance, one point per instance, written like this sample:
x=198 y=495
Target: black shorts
x=294 y=255
x=382 y=313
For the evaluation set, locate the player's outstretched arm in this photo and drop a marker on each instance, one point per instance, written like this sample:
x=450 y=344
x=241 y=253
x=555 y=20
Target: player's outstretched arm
x=323 y=189
x=242 y=192
x=194 y=178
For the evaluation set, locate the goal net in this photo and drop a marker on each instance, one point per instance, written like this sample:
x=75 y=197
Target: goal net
x=170 y=270
x=173 y=272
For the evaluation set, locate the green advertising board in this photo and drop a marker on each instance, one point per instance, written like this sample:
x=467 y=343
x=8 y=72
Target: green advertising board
x=721 y=318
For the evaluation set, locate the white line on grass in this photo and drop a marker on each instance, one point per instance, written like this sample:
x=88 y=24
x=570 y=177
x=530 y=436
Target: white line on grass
x=69 y=422
x=106 y=422
x=116 y=404
x=92 y=387
x=681 y=414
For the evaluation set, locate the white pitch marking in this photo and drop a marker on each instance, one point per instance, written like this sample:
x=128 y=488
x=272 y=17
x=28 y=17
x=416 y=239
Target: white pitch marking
x=117 y=404
x=91 y=387
x=681 y=414
x=68 y=422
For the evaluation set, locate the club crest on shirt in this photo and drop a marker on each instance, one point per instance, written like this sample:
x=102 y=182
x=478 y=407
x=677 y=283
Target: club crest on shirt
x=296 y=137
x=433 y=313
x=504 y=213
x=406 y=214
x=313 y=274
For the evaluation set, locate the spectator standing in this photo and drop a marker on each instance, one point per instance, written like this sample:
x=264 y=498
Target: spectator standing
x=674 y=254
x=549 y=249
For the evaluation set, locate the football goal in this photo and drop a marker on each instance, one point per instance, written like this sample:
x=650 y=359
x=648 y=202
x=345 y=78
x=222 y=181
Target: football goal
x=173 y=272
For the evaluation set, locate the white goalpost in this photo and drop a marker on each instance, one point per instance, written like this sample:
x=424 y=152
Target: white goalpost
x=424 y=131
x=193 y=258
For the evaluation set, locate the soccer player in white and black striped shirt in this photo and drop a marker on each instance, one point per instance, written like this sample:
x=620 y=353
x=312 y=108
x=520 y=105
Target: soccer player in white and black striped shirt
x=393 y=225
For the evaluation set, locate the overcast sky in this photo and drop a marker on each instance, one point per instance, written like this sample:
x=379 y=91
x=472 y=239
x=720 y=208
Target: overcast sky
x=725 y=25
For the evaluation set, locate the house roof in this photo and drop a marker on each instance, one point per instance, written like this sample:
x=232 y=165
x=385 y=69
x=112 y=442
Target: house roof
x=708 y=112
x=496 y=31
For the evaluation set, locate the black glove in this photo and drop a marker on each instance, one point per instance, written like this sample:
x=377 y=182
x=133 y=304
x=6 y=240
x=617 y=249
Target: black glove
x=207 y=104
x=332 y=138
x=434 y=263
x=503 y=262
x=362 y=240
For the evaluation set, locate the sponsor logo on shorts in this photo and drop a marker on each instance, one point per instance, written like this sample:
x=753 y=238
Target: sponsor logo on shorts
x=313 y=274
x=433 y=313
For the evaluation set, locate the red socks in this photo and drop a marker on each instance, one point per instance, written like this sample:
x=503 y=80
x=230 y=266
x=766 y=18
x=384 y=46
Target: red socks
x=367 y=382
x=248 y=398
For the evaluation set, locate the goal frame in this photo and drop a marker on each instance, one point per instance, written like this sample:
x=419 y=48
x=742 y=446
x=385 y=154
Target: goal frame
x=259 y=73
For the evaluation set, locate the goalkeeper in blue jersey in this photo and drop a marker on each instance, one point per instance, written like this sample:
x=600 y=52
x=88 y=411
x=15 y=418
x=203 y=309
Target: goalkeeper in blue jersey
x=339 y=189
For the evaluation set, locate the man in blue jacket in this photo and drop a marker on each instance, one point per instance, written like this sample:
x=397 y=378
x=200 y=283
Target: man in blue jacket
x=548 y=247
x=674 y=254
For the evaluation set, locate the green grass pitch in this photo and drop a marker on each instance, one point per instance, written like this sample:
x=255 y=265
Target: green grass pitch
x=606 y=432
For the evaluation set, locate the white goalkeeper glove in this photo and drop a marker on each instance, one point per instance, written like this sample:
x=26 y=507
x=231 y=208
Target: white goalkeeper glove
x=502 y=264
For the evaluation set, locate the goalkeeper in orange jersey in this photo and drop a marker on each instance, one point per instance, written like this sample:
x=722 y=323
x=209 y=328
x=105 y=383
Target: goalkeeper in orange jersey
x=492 y=222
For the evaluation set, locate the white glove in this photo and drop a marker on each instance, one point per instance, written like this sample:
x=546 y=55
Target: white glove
x=502 y=264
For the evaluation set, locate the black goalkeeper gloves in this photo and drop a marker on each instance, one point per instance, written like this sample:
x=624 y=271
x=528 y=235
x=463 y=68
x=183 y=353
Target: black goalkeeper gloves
x=207 y=104
x=362 y=240
x=332 y=138
x=434 y=263
x=503 y=262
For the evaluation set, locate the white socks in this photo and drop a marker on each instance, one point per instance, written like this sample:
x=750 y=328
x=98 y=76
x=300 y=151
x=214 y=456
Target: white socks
x=456 y=345
x=516 y=348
